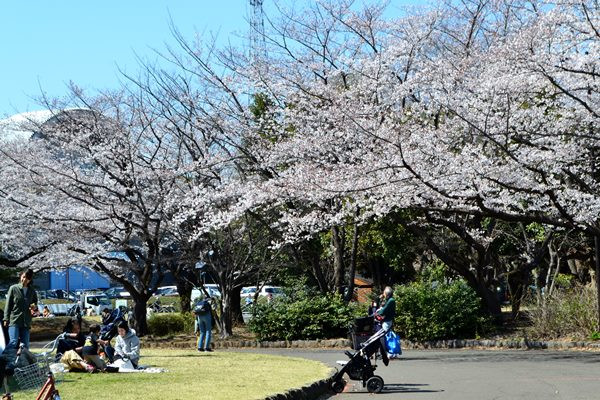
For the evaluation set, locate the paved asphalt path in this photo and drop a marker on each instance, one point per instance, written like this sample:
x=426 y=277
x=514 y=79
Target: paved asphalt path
x=477 y=375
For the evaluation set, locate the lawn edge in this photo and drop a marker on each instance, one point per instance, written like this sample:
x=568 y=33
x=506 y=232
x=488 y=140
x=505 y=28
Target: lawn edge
x=310 y=391
x=522 y=343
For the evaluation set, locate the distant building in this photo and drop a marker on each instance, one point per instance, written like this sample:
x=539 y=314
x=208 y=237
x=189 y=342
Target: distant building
x=72 y=278
x=30 y=125
x=363 y=288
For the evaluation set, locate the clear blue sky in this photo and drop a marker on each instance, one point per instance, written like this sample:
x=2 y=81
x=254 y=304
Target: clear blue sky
x=45 y=44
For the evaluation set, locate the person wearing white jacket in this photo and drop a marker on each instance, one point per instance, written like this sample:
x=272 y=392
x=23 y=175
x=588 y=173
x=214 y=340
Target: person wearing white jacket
x=127 y=345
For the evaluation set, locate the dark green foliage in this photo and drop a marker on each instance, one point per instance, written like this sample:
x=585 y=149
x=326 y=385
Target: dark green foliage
x=302 y=315
x=171 y=323
x=388 y=248
x=430 y=310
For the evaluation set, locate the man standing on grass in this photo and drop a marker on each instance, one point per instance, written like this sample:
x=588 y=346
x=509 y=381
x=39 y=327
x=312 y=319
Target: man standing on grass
x=20 y=299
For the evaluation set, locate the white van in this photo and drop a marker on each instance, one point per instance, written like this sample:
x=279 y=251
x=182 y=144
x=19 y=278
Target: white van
x=211 y=288
x=250 y=291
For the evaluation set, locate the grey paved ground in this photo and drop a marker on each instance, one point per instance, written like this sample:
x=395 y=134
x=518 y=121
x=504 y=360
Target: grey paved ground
x=477 y=375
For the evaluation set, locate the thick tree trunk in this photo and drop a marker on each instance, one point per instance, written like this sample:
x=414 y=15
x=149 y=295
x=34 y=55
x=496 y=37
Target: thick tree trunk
x=318 y=273
x=184 y=288
x=488 y=296
x=226 y=320
x=236 y=306
x=517 y=282
x=140 y=324
x=352 y=272
x=337 y=241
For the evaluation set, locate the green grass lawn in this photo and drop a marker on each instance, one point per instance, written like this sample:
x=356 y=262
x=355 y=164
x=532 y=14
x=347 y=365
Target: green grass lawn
x=192 y=375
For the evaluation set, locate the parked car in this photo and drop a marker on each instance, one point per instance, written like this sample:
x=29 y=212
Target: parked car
x=166 y=291
x=117 y=292
x=250 y=291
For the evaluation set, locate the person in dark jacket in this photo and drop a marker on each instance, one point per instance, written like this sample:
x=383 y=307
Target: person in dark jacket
x=73 y=338
x=20 y=300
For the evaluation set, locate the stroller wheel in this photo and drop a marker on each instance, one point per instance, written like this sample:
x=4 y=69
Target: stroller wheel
x=375 y=384
x=338 y=386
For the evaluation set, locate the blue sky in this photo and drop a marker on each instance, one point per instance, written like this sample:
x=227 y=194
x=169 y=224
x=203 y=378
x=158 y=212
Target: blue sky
x=46 y=44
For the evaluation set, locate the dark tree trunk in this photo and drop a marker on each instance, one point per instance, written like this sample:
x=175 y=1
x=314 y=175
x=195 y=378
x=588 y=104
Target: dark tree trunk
x=236 y=307
x=337 y=240
x=517 y=282
x=184 y=288
x=226 y=321
x=318 y=273
x=490 y=300
x=352 y=272
x=140 y=324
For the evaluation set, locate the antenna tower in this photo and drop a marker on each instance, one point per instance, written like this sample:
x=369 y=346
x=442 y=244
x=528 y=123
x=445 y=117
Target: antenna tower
x=258 y=48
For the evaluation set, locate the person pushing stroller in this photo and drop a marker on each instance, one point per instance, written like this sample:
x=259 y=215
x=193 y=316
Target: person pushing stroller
x=387 y=312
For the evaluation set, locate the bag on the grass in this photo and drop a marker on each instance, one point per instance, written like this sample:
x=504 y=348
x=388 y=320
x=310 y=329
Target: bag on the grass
x=25 y=358
x=123 y=365
x=392 y=342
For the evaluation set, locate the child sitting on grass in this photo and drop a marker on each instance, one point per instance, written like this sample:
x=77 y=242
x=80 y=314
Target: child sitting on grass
x=90 y=348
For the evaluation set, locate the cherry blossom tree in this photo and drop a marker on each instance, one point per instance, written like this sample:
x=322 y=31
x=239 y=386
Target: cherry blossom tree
x=488 y=109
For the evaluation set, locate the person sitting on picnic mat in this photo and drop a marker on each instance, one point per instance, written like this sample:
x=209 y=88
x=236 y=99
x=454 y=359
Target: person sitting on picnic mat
x=73 y=338
x=90 y=348
x=127 y=346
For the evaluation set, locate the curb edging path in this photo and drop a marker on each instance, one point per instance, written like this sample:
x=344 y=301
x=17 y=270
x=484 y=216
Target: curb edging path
x=406 y=344
x=307 y=392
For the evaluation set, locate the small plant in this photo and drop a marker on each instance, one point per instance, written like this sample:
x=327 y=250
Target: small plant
x=169 y=324
x=567 y=312
x=595 y=336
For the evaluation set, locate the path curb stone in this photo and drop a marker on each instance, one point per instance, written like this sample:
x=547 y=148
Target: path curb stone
x=406 y=344
x=308 y=392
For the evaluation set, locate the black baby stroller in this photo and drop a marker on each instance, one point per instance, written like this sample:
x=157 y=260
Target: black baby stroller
x=359 y=367
x=108 y=328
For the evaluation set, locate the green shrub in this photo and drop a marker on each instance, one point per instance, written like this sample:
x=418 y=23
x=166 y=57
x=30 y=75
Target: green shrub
x=567 y=312
x=169 y=324
x=433 y=310
x=302 y=314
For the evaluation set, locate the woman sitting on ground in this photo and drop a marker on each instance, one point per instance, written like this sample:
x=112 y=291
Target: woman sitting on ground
x=127 y=346
x=46 y=313
x=74 y=339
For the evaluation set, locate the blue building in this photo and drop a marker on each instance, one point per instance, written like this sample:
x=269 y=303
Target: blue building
x=72 y=278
